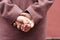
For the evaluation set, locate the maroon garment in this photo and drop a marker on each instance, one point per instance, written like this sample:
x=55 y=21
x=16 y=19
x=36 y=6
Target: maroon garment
x=10 y=9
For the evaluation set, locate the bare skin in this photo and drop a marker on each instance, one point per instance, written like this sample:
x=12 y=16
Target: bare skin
x=24 y=22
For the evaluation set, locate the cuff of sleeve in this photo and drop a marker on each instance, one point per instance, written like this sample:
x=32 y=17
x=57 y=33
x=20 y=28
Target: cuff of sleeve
x=35 y=16
x=14 y=13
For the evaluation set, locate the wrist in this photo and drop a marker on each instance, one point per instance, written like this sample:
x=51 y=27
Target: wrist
x=26 y=15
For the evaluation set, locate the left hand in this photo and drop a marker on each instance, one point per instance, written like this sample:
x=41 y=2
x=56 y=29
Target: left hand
x=24 y=23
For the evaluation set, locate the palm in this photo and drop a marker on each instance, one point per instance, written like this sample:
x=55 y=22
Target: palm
x=24 y=23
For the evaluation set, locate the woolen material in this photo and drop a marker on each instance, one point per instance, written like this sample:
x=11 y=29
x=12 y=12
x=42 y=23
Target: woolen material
x=10 y=10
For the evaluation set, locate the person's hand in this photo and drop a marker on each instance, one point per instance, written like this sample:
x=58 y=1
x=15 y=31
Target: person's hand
x=24 y=23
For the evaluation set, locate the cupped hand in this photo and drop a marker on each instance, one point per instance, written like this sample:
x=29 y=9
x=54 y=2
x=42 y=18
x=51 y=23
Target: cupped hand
x=24 y=23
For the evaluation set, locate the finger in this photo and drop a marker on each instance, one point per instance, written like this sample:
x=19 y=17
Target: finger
x=20 y=19
x=28 y=25
x=19 y=26
x=14 y=24
x=22 y=27
x=25 y=28
x=32 y=24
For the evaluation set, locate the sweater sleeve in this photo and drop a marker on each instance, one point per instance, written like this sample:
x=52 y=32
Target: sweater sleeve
x=39 y=9
x=9 y=11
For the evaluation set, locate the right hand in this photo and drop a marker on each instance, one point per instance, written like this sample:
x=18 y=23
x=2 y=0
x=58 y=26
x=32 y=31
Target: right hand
x=24 y=23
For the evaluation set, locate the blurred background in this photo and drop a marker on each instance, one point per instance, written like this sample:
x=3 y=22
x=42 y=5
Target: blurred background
x=53 y=21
